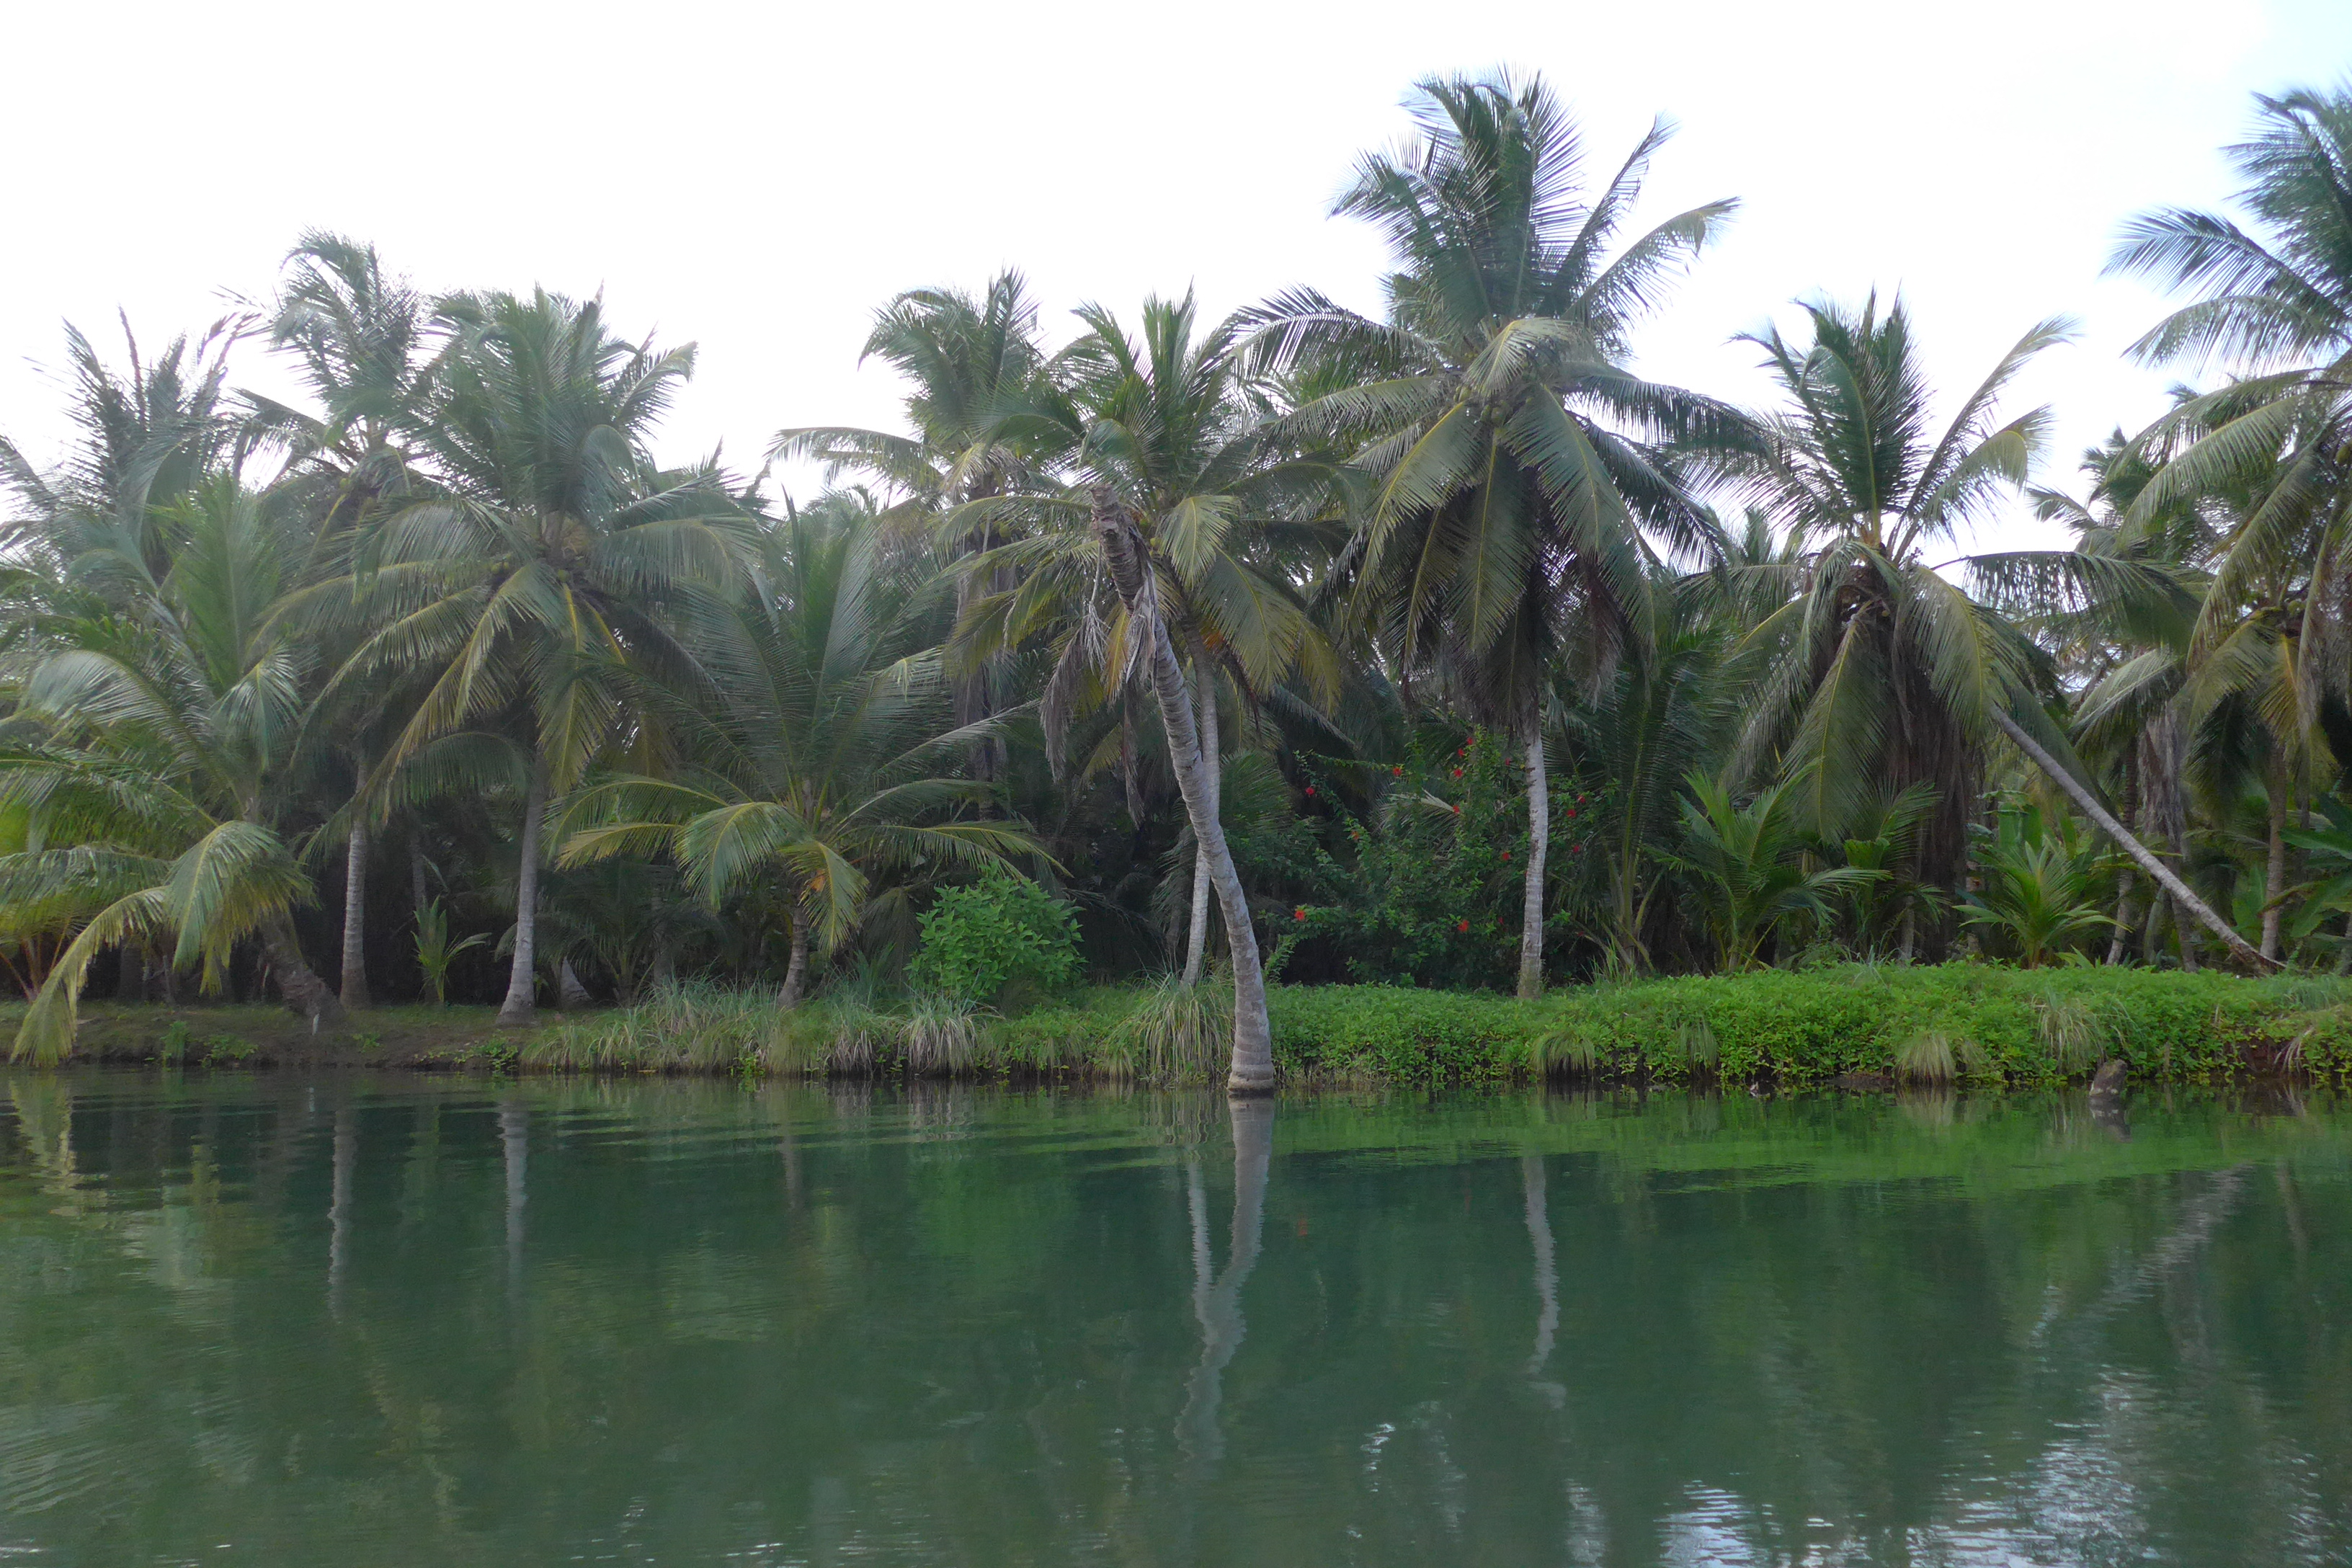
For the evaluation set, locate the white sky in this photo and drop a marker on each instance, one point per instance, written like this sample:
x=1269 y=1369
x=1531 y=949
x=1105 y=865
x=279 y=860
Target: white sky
x=760 y=178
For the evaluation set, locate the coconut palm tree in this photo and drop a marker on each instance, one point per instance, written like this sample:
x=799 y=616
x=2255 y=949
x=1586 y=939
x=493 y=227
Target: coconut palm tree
x=143 y=439
x=167 y=734
x=968 y=362
x=1514 y=458
x=551 y=557
x=2274 y=303
x=357 y=338
x=815 y=761
x=1745 y=864
x=1882 y=670
x=1177 y=475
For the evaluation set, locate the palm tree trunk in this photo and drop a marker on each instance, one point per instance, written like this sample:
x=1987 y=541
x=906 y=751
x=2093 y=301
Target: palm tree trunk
x=2275 y=873
x=1252 y=1071
x=1531 y=901
x=570 y=990
x=2118 y=945
x=2182 y=898
x=355 y=985
x=796 y=972
x=522 y=976
x=1197 y=946
x=130 y=981
x=304 y=991
x=2118 y=942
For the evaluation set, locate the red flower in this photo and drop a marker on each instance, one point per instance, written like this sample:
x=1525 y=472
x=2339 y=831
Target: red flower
x=1398 y=770
x=1572 y=814
x=1457 y=772
x=1458 y=811
x=1579 y=799
x=1300 y=913
x=1576 y=848
x=1310 y=789
x=1462 y=925
x=1507 y=854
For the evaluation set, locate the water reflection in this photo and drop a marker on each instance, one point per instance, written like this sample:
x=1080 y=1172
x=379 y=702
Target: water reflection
x=1218 y=1305
x=690 y=1323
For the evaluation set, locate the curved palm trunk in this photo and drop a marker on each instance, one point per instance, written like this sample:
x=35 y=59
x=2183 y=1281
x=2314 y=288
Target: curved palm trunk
x=355 y=985
x=570 y=993
x=1532 y=900
x=796 y=971
x=2182 y=898
x=1219 y=1306
x=1253 y=1059
x=304 y=991
x=522 y=976
x=1196 y=948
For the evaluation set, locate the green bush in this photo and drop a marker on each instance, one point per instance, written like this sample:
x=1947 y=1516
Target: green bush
x=1001 y=933
x=1434 y=896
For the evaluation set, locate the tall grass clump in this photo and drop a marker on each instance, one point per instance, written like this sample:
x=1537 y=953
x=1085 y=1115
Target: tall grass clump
x=1927 y=1057
x=937 y=1033
x=1175 y=1033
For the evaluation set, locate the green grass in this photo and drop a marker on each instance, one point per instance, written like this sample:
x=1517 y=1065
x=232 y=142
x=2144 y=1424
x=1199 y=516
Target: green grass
x=1980 y=1026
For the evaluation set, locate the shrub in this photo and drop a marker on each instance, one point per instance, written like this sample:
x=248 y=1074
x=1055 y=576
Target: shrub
x=1434 y=894
x=999 y=934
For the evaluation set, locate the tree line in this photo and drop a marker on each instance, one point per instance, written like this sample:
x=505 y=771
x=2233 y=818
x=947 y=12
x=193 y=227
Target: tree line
x=1435 y=645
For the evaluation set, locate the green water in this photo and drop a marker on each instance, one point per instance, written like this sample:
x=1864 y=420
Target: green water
x=277 y=1320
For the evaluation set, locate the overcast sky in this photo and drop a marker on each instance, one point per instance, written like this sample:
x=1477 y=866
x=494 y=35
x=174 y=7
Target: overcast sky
x=759 y=178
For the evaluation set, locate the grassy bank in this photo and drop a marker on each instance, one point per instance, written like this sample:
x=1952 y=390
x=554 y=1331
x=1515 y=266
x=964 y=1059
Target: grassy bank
x=1975 y=1024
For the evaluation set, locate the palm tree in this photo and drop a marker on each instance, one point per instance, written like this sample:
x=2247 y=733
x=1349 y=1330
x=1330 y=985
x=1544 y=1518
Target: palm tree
x=143 y=440
x=1512 y=451
x=2277 y=303
x=814 y=761
x=1663 y=712
x=553 y=557
x=2129 y=668
x=168 y=731
x=358 y=340
x=1880 y=671
x=968 y=362
x=1180 y=480
x=1746 y=862
x=2038 y=885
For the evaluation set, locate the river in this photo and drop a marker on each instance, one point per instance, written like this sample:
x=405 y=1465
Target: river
x=351 y=1320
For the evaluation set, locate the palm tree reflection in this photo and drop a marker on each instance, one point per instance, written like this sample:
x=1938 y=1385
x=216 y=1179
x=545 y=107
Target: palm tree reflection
x=1217 y=1303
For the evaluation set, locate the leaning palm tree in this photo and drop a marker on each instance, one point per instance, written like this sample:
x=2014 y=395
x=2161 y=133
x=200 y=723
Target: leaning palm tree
x=1513 y=454
x=816 y=761
x=157 y=779
x=551 y=557
x=1880 y=670
x=1196 y=522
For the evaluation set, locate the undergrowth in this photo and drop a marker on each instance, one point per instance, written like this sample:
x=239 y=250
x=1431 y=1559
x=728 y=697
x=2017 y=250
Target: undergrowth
x=1976 y=1025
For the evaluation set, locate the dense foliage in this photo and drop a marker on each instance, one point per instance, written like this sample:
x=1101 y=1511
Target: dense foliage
x=1432 y=649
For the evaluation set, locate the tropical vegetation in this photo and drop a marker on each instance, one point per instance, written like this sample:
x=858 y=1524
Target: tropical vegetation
x=1430 y=647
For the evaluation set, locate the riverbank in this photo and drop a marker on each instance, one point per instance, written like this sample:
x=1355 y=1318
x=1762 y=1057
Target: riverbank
x=1858 y=1026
